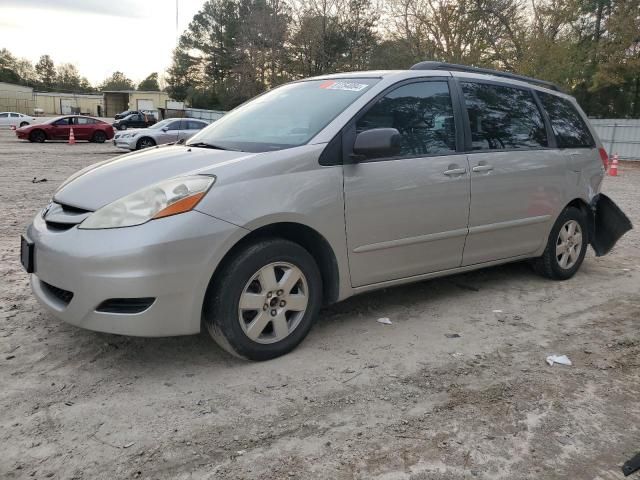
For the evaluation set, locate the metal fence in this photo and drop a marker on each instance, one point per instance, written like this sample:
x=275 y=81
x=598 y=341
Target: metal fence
x=20 y=105
x=619 y=136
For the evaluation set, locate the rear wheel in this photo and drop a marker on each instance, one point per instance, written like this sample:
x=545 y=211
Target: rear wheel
x=145 y=142
x=37 y=136
x=99 y=137
x=265 y=300
x=566 y=246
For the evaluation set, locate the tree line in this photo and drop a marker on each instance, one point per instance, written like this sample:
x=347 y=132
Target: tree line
x=235 y=49
x=47 y=76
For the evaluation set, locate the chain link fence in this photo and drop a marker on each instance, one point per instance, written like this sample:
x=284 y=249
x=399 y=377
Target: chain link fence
x=619 y=136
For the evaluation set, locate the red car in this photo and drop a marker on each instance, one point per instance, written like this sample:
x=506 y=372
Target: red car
x=84 y=128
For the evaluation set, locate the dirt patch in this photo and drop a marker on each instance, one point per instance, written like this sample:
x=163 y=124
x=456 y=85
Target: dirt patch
x=357 y=400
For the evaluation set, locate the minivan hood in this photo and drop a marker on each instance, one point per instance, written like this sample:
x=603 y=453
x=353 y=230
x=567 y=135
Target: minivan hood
x=105 y=182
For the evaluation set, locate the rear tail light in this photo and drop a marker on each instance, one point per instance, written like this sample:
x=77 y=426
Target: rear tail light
x=604 y=157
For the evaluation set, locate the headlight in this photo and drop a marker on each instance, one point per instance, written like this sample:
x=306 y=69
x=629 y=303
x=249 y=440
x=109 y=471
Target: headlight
x=163 y=199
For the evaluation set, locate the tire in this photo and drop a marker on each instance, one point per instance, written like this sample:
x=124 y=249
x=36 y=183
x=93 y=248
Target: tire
x=145 y=142
x=99 y=137
x=122 y=127
x=252 y=333
x=37 y=136
x=24 y=124
x=565 y=250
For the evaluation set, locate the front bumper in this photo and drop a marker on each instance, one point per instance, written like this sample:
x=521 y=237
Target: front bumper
x=170 y=259
x=127 y=143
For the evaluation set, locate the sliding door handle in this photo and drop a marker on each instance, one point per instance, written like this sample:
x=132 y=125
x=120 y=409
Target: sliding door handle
x=455 y=171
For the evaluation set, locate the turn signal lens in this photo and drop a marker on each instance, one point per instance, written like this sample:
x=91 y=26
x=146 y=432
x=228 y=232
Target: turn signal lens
x=180 y=206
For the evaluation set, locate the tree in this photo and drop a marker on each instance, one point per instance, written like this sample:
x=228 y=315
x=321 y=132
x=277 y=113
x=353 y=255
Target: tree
x=150 y=83
x=7 y=67
x=117 y=81
x=46 y=71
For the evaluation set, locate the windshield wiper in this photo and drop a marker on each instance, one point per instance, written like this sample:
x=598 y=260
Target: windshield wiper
x=206 y=145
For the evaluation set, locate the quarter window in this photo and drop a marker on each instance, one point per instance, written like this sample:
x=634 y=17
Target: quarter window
x=503 y=117
x=421 y=112
x=567 y=124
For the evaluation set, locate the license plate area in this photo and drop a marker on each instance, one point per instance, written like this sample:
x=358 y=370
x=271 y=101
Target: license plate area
x=27 y=254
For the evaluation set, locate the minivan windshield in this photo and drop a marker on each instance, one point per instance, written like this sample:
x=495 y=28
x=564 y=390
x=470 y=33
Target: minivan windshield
x=285 y=117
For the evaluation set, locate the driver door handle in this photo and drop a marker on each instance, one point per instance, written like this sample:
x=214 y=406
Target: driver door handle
x=482 y=168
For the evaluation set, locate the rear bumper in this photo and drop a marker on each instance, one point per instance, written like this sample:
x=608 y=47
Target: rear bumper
x=170 y=260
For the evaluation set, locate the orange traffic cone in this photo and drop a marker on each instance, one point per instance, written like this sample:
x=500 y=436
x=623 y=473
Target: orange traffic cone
x=613 y=168
x=72 y=138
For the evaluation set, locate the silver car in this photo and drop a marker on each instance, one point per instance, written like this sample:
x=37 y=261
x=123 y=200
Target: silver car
x=167 y=131
x=319 y=190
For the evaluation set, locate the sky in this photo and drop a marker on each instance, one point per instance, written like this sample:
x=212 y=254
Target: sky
x=136 y=37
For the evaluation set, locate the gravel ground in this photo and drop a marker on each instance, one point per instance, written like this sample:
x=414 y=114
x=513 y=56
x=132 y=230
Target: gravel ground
x=357 y=400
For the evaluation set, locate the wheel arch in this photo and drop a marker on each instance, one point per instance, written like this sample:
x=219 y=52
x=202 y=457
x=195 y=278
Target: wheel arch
x=584 y=207
x=305 y=236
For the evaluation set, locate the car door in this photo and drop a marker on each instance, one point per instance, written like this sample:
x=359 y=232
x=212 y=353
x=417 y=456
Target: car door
x=82 y=128
x=407 y=215
x=170 y=132
x=61 y=128
x=191 y=127
x=517 y=179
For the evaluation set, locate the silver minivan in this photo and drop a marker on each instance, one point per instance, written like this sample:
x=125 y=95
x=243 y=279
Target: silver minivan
x=319 y=190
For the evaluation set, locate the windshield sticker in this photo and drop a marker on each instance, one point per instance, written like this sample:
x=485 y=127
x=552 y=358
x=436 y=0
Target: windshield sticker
x=348 y=86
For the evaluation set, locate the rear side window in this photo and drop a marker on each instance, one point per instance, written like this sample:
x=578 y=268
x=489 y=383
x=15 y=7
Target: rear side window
x=503 y=117
x=567 y=124
x=421 y=112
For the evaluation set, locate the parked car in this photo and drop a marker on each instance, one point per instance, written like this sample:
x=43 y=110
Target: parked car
x=135 y=120
x=126 y=113
x=15 y=119
x=84 y=128
x=165 y=131
x=382 y=179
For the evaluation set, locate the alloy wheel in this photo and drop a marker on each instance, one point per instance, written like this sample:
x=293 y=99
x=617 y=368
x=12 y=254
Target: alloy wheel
x=569 y=244
x=273 y=302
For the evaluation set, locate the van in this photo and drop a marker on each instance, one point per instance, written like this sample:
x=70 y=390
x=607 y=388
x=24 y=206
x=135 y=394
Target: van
x=322 y=189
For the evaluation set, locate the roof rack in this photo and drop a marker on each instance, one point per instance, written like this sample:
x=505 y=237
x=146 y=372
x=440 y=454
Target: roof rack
x=487 y=71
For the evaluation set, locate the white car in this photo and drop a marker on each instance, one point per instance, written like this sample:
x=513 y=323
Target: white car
x=167 y=131
x=9 y=119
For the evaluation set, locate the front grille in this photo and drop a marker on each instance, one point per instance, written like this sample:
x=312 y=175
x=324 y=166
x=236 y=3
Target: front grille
x=64 y=296
x=60 y=217
x=125 y=305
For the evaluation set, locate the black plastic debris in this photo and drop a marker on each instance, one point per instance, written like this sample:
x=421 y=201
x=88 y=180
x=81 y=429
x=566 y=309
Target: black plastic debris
x=608 y=226
x=35 y=180
x=631 y=466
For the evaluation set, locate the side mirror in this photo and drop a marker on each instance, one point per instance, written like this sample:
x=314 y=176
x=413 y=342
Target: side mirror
x=376 y=143
x=165 y=129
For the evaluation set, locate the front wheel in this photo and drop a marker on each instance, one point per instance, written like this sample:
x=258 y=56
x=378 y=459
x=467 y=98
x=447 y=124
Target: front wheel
x=24 y=124
x=37 y=136
x=265 y=300
x=145 y=142
x=566 y=246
